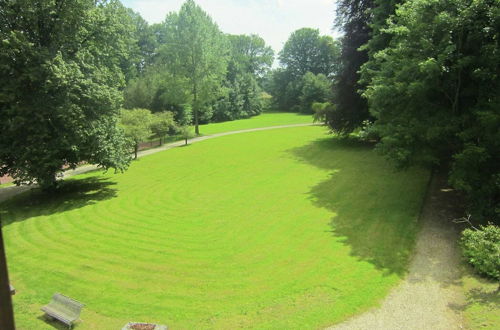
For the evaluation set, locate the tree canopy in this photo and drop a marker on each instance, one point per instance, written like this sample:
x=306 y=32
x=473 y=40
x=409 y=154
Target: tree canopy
x=434 y=94
x=305 y=52
x=249 y=60
x=62 y=66
x=234 y=67
x=136 y=124
x=251 y=54
x=196 y=49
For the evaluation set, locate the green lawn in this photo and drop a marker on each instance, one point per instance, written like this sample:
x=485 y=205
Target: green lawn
x=266 y=119
x=482 y=301
x=5 y=185
x=281 y=229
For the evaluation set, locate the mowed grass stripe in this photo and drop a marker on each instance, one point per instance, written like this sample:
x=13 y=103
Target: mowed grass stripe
x=285 y=228
x=266 y=119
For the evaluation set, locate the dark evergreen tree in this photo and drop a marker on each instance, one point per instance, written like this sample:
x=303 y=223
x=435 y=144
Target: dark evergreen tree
x=350 y=109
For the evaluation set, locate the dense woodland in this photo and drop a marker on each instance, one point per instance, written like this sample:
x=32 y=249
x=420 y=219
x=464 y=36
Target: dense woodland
x=423 y=78
x=86 y=81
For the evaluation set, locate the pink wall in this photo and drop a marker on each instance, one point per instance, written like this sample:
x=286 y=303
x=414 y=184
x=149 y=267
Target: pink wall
x=5 y=179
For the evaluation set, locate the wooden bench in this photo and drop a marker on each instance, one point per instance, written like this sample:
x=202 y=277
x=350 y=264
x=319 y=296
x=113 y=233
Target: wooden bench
x=64 y=309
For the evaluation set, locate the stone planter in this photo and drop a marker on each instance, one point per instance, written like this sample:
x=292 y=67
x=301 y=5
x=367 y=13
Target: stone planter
x=144 y=326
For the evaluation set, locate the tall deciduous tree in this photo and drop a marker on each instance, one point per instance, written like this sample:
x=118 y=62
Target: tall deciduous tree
x=60 y=63
x=307 y=51
x=195 y=48
x=147 y=41
x=159 y=90
x=250 y=54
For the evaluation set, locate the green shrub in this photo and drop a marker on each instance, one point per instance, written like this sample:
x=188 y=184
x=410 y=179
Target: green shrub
x=368 y=131
x=186 y=132
x=481 y=247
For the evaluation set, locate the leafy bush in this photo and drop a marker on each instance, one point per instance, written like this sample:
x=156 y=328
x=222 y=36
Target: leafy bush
x=368 y=131
x=481 y=247
x=136 y=124
x=163 y=124
x=315 y=88
x=186 y=132
x=321 y=110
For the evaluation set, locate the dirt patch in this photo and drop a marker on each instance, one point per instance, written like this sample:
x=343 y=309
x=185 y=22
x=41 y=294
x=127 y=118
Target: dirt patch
x=142 y=326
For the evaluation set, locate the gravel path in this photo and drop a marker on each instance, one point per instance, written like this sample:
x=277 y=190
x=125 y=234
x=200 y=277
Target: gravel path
x=8 y=192
x=430 y=296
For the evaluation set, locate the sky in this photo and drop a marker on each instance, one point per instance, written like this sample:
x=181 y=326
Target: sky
x=273 y=20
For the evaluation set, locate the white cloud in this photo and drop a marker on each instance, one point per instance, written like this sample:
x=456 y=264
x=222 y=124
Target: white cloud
x=273 y=20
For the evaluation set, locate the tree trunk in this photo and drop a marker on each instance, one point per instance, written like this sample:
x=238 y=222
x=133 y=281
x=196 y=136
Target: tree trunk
x=6 y=312
x=195 y=106
x=136 y=149
x=196 y=129
x=186 y=141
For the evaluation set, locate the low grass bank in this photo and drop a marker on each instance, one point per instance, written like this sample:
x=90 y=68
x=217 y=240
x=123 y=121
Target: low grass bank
x=482 y=308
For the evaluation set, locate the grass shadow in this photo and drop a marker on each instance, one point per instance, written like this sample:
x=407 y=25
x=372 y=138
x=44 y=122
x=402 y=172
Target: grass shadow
x=364 y=192
x=485 y=297
x=482 y=301
x=56 y=324
x=72 y=194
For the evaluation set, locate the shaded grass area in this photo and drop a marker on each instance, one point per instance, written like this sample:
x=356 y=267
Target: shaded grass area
x=482 y=308
x=354 y=189
x=73 y=194
x=275 y=229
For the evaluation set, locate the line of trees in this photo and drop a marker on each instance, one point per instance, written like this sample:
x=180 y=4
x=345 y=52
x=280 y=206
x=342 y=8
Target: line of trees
x=190 y=64
x=63 y=66
x=424 y=77
x=69 y=68
x=308 y=64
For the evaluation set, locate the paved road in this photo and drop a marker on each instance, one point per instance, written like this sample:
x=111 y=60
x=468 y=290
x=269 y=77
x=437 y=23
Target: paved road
x=8 y=192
